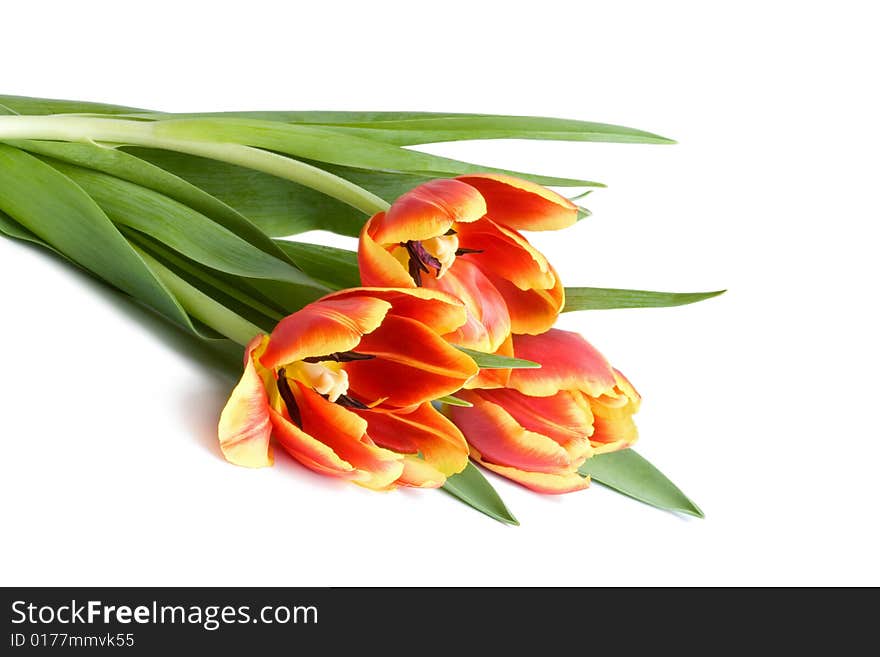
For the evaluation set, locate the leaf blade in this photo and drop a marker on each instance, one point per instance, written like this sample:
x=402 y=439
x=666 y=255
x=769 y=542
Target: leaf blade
x=497 y=362
x=606 y=298
x=632 y=475
x=472 y=488
x=60 y=213
x=127 y=166
x=326 y=145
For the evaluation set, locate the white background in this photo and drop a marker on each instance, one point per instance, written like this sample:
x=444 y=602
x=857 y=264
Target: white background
x=760 y=404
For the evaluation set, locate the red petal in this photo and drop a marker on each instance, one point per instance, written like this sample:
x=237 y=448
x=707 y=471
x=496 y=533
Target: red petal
x=423 y=431
x=345 y=433
x=568 y=362
x=504 y=253
x=245 y=429
x=433 y=308
x=488 y=321
x=324 y=327
x=501 y=440
x=540 y=482
x=559 y=417
x=412 y=365
x=521 y=204
x=427 y=211
x=377 y=266
x=531 y=311
x=614 y=425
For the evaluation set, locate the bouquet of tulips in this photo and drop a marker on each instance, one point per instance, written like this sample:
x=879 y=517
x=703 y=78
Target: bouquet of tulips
x=430 y=348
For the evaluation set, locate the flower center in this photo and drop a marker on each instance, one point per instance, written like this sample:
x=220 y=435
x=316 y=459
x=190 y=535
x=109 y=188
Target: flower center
x=443 y=249
x=326 y=378
x=437 y=253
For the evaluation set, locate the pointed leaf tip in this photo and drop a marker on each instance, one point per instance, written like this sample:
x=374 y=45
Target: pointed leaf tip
x=472 y=488
x=632 y=475
x=599 y=298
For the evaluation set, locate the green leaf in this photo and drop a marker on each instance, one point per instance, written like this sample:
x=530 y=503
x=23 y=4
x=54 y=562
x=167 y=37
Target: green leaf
x=472 y=488
x=276 y=206
x=407 y=132
x=182 y=228
x=56 y=210
x=600 y=298
x=409 y=128
x=336 y=267
x=628 y=473
x=231 y=291
x=41 y=106
x=452 y=400
x=496 y=362
x=124 y=165
x=326 y=145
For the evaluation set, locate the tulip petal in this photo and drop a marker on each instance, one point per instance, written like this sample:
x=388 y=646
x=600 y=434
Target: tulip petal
x=531 y=311
x=428 y=211
x=568 y=362
x=521 y=204
x=540 y=482
x=501 y=440
x=614 y=425
x=424 y=431
x=504 y=253
x=245 y=429
x=345 y=433
x=420 y=474
x=435 y=309
x=488 y=321
x=413 y=365
x=324 y=327
x=377 y=266
x=559 y=417
x=308 y=450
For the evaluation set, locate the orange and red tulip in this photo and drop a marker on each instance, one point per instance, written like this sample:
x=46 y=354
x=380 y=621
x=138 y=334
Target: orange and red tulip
x=460 y=236
x=541 y=428
x=345 y=384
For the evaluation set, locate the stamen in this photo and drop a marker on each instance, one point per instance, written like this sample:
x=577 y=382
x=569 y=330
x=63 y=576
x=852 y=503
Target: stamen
x=460 y=252
x=339 y=357
x=288 y=398
x=350 y=402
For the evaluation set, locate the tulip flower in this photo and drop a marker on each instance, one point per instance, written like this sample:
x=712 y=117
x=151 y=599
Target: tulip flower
x=541 y=428
x=461 y=236
x=344 y=385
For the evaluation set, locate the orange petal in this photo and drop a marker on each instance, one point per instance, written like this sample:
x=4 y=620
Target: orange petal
x=501 y=440
x=245 y=429
x=559 y=417
x=614 y=425
x=309 y=451
x=423 y=431
x=420 y=474
x=521 y=204
x=504 y=253
x=540 y=482
x=494 y=378
x=568 y=362
x=488 y=321
x=427 y=211
x=324 y=327
x=437 y=310
x=345 y=434
x=413 y=365
x=377 y=266
x=531 y=311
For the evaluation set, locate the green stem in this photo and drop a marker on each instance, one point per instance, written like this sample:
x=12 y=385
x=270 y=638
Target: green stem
x=201 y=306
x=145 y=133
